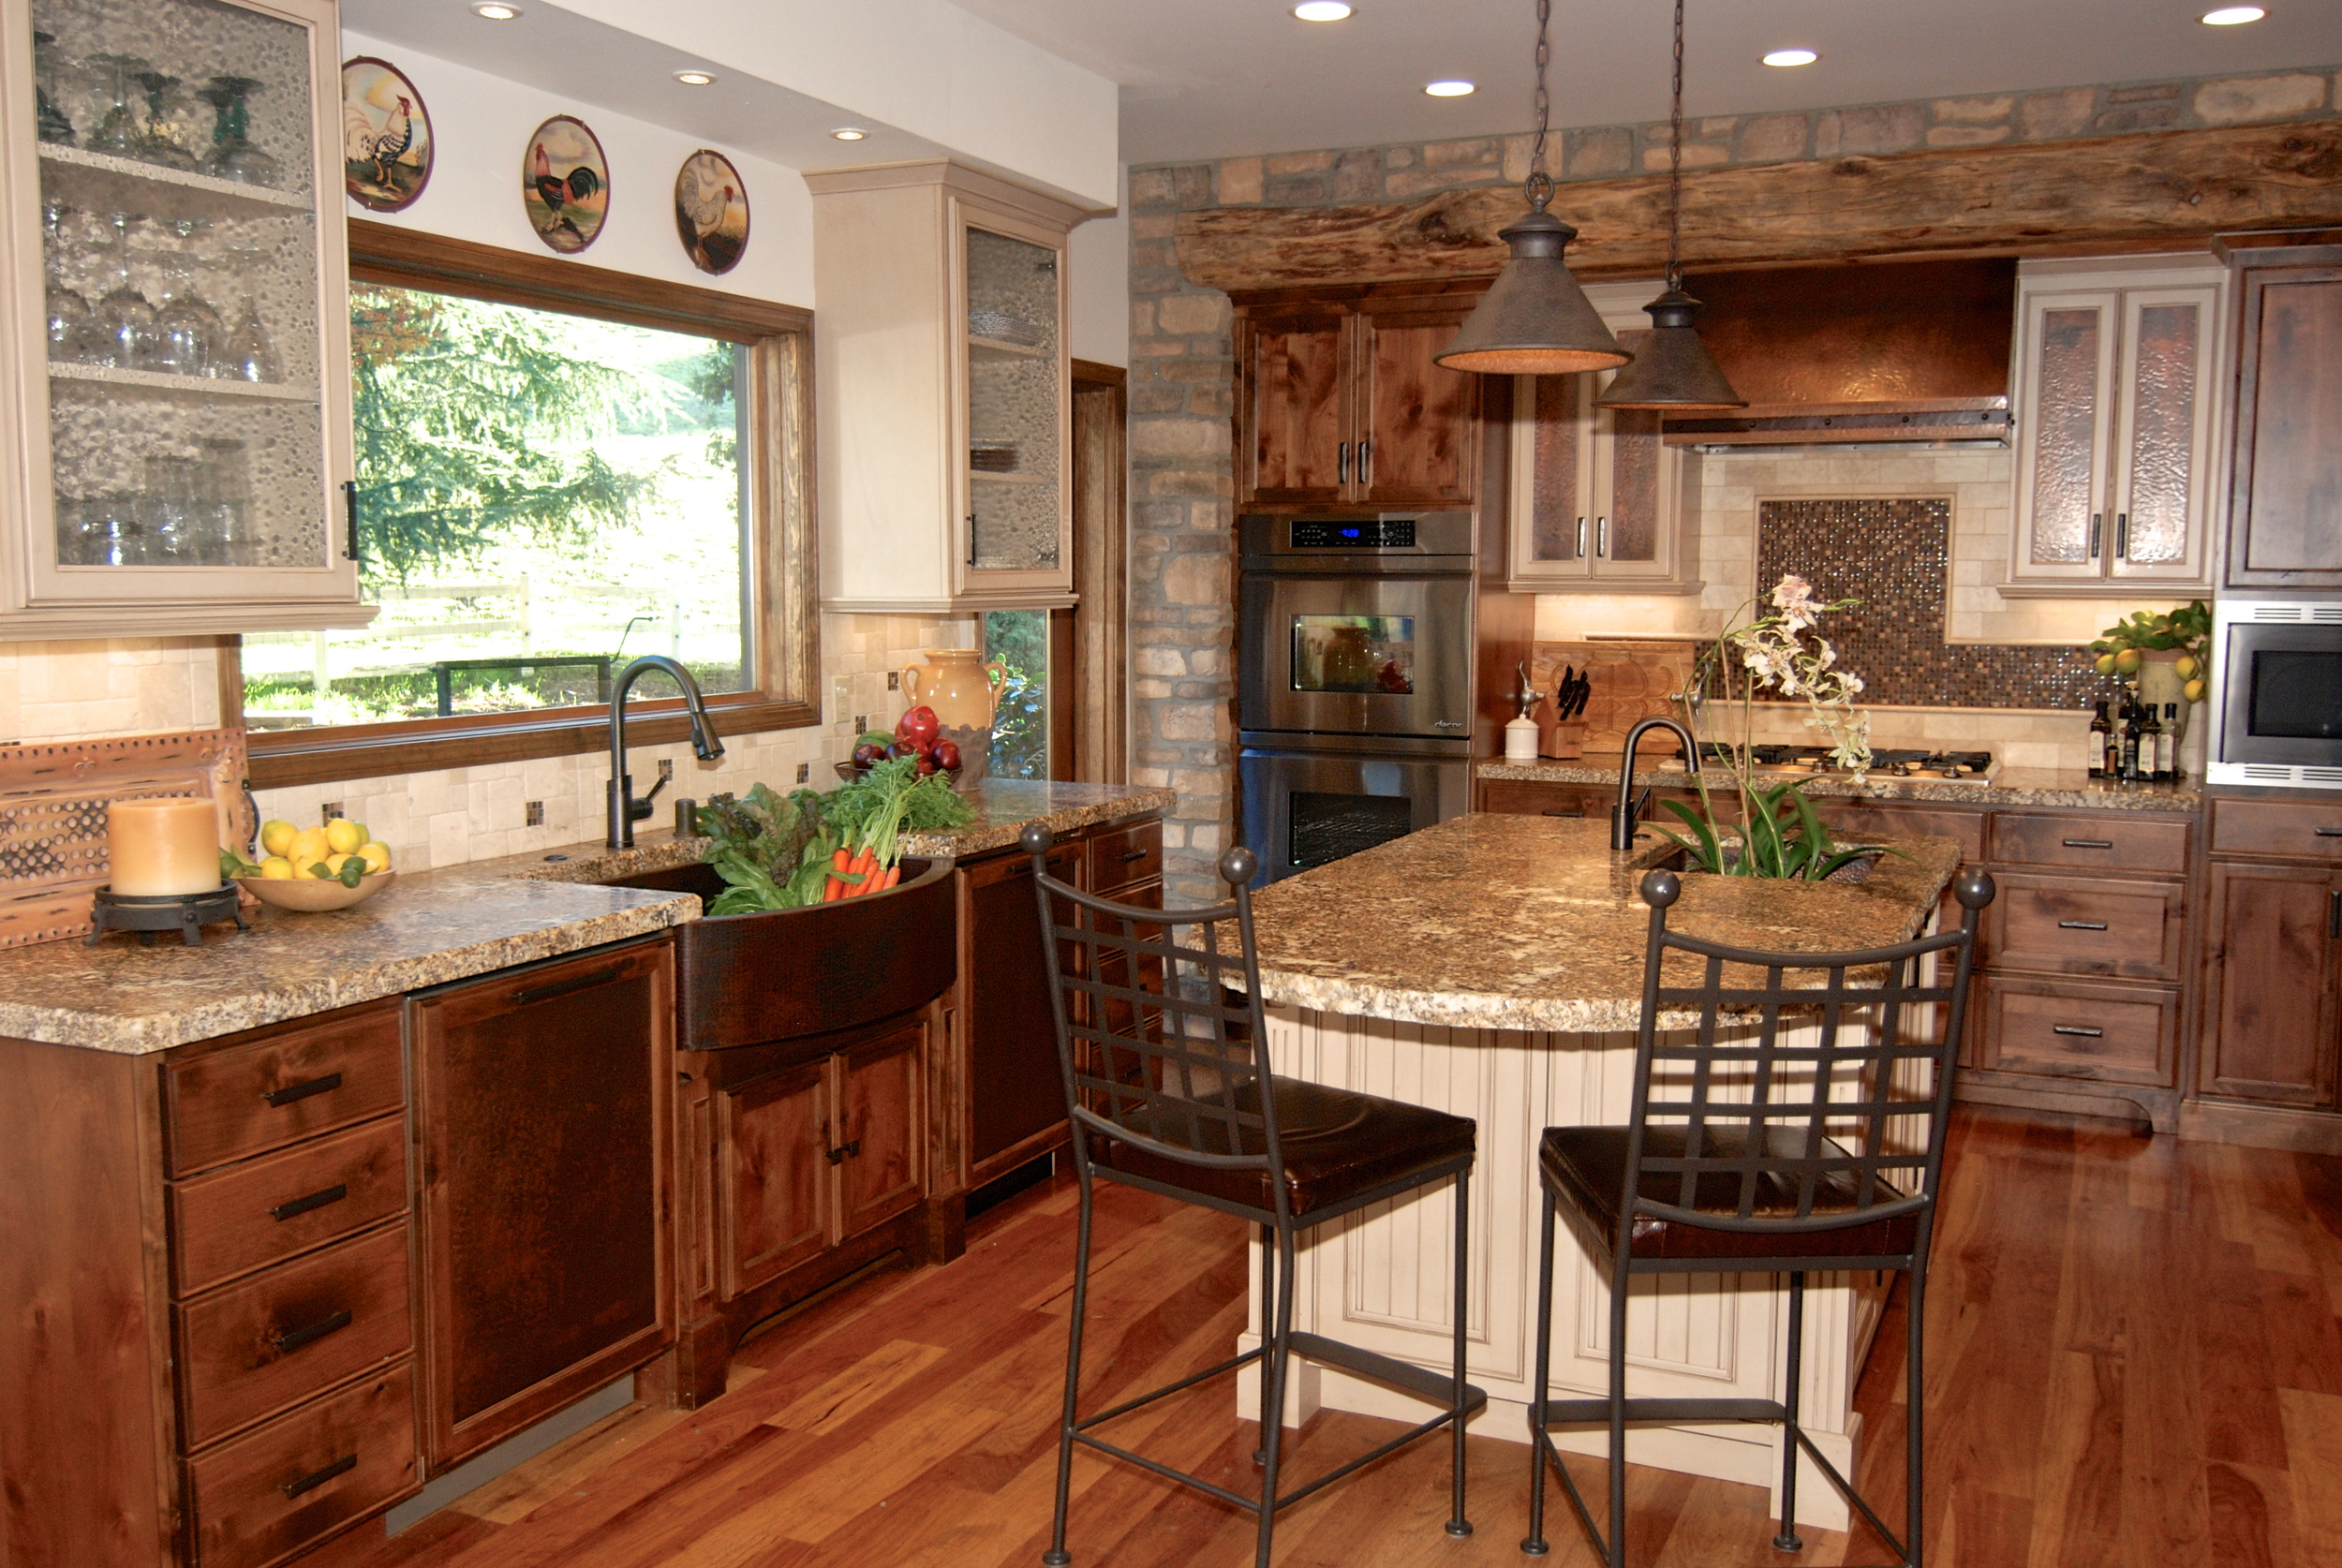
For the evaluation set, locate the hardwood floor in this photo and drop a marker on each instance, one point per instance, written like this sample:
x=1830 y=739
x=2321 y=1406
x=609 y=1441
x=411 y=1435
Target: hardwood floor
x=2133 y=1359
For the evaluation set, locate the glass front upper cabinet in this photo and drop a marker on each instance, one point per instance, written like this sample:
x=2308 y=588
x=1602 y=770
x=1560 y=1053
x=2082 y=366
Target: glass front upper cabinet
x=1017 y=512
x=2117 y=379
x=183 y=422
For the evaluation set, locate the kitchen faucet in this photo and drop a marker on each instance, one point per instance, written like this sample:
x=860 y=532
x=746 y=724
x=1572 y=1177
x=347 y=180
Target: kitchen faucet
x=625 y=810
x=1623 y=815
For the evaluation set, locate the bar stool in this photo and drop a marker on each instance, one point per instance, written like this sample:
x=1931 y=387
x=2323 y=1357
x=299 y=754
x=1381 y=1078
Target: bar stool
x=1728 y=1166
x=1168 y=1089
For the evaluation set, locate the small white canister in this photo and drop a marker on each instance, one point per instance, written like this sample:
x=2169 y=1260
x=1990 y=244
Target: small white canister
x=1520 y=740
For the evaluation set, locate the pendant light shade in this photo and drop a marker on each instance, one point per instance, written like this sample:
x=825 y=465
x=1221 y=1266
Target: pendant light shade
x=1672 y=368
x=1534 y=321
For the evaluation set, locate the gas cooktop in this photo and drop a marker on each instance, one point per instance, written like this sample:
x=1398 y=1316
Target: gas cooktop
x=1813 y=762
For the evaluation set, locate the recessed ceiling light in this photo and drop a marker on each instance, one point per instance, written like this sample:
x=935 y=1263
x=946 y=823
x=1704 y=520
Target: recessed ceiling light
x=1321 y=11
x=1791 y=57
x=696 y=78
x=1447 y=89
x=495 y=10
x=847 y=133
x=2233 y=16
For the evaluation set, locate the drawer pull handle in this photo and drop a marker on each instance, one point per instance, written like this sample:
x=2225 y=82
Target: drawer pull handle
x=2334 y=915
x=317 y=1478
x=2082 y=926
x=1557 y=811
x=845 y=1152
x=2329 y=832
x=292 y=1092
x=2076 y=1028
x=291 y=1206
x=1130 y=856
x=563 y=987
x=293 y=1340
x=2089 y=843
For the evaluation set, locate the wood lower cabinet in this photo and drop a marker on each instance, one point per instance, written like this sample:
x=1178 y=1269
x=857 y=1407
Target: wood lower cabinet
x=544 y=1130
x=2272 y=984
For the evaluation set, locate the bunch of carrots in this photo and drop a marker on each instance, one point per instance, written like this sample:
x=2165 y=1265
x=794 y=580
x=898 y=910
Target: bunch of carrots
x=870 y=815
x=856 y=873
x=784 y=854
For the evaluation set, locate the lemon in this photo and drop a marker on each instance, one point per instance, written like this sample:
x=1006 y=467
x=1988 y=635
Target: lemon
x=2127 y=661
x=276 y=868
x=335 y=862
x=343 y=837
x=2106 y=664
x=365 y=834
x=377 y=856
x=308 y=846
x=277 y=837
x=2185 y=667
x=2193 y=691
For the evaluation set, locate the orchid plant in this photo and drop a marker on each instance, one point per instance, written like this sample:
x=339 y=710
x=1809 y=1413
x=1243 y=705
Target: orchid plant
x=1780 y=650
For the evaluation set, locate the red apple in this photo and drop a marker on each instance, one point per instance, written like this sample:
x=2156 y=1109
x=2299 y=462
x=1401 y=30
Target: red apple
x=947 y=756
x=918 y=724
x=926 y=763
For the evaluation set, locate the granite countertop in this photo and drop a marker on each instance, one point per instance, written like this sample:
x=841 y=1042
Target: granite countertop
x=426 y=928
x=1532 y=923
x=2010 y=787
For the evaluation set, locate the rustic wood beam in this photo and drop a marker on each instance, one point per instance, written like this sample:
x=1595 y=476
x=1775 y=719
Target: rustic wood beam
x=2110 y=193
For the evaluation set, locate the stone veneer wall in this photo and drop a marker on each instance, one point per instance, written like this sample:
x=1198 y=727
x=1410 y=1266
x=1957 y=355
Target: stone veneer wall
x=1182 y=370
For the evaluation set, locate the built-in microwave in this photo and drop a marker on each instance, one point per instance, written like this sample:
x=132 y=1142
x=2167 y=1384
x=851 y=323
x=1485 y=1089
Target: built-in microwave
x=2276 y=692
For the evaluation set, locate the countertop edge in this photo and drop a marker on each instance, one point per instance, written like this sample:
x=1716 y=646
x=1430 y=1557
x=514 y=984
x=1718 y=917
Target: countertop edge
x=2025 y=786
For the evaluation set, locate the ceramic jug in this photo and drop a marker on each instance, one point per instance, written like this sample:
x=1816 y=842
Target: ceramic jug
x=958 y=684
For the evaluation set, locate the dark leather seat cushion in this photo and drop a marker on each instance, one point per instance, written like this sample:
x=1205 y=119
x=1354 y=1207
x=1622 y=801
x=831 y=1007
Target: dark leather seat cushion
x=1336 y=1144
x=1587 y=1167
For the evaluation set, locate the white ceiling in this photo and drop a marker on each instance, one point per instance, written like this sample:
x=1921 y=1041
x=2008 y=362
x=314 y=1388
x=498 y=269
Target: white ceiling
x=1208 y=78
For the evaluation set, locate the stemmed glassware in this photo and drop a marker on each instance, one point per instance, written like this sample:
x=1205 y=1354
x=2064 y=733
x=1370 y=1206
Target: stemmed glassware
x=117 y=130
x=68 y=313
x=233 y=155
x=53 y=123
x=161 y=142
x=248 y=354
x=189 y=332
x=120 y=327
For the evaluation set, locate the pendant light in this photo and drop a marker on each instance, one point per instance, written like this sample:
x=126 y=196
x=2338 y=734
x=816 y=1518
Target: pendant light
x=1672 y=368
x=1534 y=321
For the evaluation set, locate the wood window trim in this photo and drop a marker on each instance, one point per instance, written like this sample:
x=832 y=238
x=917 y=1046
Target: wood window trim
x=780 y=448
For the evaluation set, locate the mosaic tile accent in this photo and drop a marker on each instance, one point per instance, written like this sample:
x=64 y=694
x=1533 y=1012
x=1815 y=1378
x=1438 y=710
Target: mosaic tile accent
x=1895 y=556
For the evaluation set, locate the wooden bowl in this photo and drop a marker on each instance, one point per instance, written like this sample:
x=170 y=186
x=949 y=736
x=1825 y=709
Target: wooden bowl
x=307 y=896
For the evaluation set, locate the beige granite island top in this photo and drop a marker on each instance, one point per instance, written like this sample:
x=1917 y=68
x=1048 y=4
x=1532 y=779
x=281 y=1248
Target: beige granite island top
x=1532 y=923
x=2053 y=788
x=426 y=928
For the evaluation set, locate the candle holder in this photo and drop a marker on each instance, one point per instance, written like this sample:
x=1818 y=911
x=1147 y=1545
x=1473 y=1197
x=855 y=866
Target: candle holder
x=187 y=913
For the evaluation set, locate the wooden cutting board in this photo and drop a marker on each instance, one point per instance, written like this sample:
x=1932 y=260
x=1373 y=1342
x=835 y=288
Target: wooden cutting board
x=53 y=816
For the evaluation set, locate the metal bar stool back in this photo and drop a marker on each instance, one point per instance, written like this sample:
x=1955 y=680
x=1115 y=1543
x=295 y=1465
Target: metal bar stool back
x=1801 y=1128
x=1162 y=1046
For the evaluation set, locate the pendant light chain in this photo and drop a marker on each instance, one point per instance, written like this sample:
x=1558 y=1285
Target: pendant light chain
x=1675 y=163
x=1540 y=183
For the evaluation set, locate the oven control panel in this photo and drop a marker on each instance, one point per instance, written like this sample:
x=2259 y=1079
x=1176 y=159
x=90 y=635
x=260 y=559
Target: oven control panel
x=1352 y=533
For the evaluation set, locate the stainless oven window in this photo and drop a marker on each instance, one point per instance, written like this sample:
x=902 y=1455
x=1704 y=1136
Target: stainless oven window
x=1354 y=653
x=2296 y=694
x=1330 y=827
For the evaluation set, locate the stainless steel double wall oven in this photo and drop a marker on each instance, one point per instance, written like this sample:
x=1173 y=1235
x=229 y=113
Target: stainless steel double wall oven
x=1354 y=688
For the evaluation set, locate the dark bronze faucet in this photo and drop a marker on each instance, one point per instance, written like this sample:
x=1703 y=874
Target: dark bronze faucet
x=625 y=809
x=1623 y=815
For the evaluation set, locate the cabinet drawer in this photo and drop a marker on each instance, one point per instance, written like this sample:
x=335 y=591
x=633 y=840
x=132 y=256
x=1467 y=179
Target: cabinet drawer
x=1850 y=822
x=305 y=1475
x=283 y=1084
x=232 y=1222
x=2100 y=841
x=1121 y=857
x=2298 y=829
x=2070 y=926
x=2069 y=1029
x=279 y=1337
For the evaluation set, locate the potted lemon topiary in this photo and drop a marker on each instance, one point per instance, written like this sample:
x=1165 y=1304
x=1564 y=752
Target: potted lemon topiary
x=2167 y=656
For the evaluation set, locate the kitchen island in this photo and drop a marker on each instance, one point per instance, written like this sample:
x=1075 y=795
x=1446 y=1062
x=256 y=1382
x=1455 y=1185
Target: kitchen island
x=1491 y=966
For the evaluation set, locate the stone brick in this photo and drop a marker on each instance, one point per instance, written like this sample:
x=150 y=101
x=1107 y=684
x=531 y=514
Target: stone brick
x=1400 y=157
x=1152 y=187
x=2239 y=99
x=1142 y=319
x=1195 y=579
x=1191 y=184
x=1718 y=128
x=2146 y=92
x=1157 y=347
x=1356 y=177
x=1416 y=182
x=1239 y=182
x=1146 y=689
x=1516 y=152
x=1192 y=314
x=1297 y=163
x=2062 y=113
x=1200 y=370
x=1159 y=661
x=1479 y=150
x=1207 y=782
x=1974 y=111
x=1157 y=280
x=1155 y=254
x=1893 y=128
x=1153 y=398
x=1154 y=226
x=1770 y=138
x=1604 y=150
x=1211 y=400
x=1696 y=154
x=2137 y=117
x=1296 y=190
x=1151 y=779
x=1966 y=135
x=1207 y=662
x=1190 y=481
x=1177 y=437
x=1200 y=721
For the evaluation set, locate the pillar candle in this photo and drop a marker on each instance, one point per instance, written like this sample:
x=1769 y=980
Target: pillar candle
x=158 y=848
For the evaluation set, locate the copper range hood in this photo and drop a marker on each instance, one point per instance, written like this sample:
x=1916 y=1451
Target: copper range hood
x=1904 y=352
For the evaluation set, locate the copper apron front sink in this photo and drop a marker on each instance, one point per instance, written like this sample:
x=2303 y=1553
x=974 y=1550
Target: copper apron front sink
x=785 y=974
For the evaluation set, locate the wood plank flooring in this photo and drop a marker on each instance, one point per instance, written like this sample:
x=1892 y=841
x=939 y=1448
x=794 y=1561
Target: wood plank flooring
x=2133 y=1359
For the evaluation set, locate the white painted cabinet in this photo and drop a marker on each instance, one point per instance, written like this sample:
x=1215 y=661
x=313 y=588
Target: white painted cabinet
x=2119 y=397
x=1597 y=495
x=944 y=396
x=175 y=423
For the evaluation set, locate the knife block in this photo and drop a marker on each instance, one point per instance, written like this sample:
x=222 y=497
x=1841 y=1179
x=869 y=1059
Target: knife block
x=1558 y=738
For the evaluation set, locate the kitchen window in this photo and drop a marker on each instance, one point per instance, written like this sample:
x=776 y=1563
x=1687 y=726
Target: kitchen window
x=558 y=469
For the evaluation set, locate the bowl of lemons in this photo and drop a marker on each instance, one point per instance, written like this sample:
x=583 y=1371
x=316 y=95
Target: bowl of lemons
x=319 y=868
